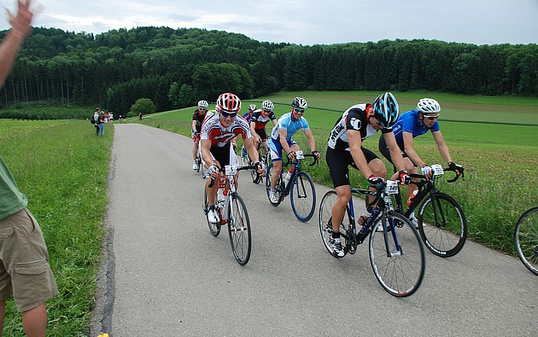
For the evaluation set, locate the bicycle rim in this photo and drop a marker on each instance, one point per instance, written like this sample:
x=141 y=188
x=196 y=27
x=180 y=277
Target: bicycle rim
x=325 y=221
x=526 y=239
x=214 y=228
x=442 y=225
x=303 y=197
x=239 y=230
x=400 y=271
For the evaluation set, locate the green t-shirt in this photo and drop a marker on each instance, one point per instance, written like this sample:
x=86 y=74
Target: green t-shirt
x=11 y=199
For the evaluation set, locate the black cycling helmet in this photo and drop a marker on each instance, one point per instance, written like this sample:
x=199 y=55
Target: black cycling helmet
x=386 y=109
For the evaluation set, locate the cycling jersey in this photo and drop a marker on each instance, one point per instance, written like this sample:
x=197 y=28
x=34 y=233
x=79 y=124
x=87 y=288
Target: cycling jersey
x=220 y=136
x=247 y=116
x=260 y=120
x=353 y=118
x=410 y=122
x=287 y=123
x=199 y=118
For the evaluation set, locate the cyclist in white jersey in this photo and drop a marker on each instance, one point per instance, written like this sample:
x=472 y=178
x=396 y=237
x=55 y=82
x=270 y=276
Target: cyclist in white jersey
x=281 y=139
x=218 y=130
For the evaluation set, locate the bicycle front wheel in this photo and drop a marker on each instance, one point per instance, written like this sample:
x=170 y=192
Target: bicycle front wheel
x=526 y=239
x=325 y=222
x=214 y=227
x=397 y=255
x=303 y=196
x=442 y=225
x=239 y=229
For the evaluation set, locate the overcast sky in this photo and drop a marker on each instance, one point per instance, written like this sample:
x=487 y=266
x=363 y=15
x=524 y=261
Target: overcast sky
x=306 y=22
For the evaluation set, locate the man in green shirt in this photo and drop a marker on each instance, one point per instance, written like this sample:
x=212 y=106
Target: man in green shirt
x=24 y=269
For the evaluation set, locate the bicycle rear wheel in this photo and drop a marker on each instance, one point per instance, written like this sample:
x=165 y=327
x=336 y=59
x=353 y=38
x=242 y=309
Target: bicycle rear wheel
x=214 y=227
x=325 y=222
x=303 y=196
x=442 y=225
x=526 y=239
x=239 y=229
x=398 y=264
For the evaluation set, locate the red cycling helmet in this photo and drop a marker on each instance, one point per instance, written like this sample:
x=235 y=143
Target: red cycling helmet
x=229 y=103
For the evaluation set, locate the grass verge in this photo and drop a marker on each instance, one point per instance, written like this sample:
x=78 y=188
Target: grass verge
x=62 y=167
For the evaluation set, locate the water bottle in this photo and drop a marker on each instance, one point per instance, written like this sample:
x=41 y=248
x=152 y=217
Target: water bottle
x=366 y=227
x=287 y=177
x=221 y=197
x=412 y=197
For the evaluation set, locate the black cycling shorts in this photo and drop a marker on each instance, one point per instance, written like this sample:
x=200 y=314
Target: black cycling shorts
x=261 y=133
x=221 y=154
x=338 y=162
x=384 y=149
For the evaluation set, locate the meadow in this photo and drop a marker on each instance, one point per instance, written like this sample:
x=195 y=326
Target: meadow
x=494 y=138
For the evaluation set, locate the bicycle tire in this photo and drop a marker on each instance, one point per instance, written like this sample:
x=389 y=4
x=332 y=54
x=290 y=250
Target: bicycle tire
x=325 y=222
x=303 y=196
x=401 y=272
x=445 y=231
x=214 y=228
x=239 y=230
x=526 y=239
x=268 y=176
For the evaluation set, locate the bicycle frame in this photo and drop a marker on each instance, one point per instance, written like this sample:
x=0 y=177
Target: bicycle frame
x=297 y=162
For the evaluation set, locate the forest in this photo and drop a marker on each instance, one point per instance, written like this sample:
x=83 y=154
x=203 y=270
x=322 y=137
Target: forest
x=177 y=67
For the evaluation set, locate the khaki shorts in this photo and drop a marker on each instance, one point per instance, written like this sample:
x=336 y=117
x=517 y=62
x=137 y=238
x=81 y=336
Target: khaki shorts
x=25 y=270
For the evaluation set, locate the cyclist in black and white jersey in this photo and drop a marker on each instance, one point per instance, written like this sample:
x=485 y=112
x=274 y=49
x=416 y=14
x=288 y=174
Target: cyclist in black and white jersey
x=345 y=149
x=259 y=120
x=197 y=119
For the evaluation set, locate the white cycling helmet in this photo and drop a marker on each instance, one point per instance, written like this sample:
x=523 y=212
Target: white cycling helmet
x=386 y=109
x=428 y=106
x=299 y=102
x=203 y=104
x=252 y=107
x=268 y=105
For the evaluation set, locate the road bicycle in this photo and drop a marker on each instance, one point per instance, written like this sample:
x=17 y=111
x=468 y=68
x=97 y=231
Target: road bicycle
x=300 y=187
x=232 y=212
x=441 y=221
x=265 y=158
x=526 y=239
x=200 y=164
x=396 y=252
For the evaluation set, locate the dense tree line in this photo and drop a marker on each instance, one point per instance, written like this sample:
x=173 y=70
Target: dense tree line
x=176 y=67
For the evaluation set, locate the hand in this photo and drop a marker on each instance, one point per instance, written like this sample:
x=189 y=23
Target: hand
x=373 y=180
x=213 y=171
x=404 y=178
x=316 y=153
x=291 y=155
x=21 y=24
x=455 y=167
x=260 y=168
x=426 y=171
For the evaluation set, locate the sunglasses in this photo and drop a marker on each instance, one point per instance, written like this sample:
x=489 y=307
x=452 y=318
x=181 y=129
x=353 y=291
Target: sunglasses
x=299 y=111
x=202 y=109
x=227 y=114
x=431 y=117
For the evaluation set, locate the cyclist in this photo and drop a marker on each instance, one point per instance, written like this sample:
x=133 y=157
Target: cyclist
x=196 y=127
x=247 y=116
x=345 y=148
x=217 y=132
x=410 y=125
x=281 y=134
x=259 y=119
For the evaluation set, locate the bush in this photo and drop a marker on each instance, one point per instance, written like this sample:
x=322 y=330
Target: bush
x=143 y=106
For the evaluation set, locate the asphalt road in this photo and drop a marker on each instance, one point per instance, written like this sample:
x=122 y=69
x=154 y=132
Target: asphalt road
x=164 y=274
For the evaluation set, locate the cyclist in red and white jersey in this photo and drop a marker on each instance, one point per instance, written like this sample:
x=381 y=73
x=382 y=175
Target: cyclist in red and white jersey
x=218 y=131
x=197 y=119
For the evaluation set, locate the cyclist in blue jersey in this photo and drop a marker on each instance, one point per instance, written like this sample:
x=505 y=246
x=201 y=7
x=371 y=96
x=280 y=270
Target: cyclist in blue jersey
x=248 y=114
x=416 y=123
x=281 y=139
